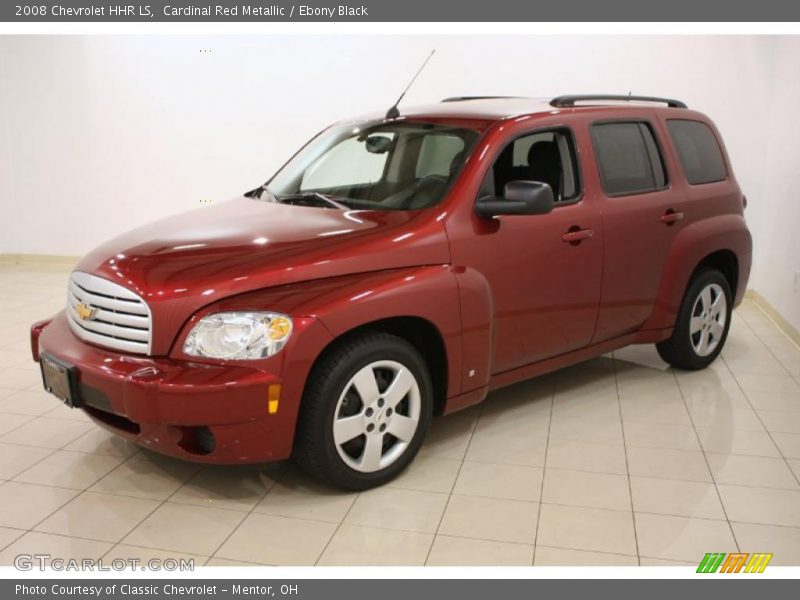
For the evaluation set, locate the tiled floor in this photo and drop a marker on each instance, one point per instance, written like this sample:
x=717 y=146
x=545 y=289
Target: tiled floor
x=617 y=461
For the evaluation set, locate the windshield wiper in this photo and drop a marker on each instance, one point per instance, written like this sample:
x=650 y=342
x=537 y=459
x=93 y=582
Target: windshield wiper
x=307 y=198
x=310 y=196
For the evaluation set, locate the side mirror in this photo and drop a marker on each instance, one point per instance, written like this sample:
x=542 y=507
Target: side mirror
x=519 y=198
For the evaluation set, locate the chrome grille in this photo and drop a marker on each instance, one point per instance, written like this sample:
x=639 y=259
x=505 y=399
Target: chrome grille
x=105 y=313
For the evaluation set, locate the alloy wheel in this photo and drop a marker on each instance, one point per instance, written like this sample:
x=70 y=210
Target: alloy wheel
x=377 y=416
x=707 y=323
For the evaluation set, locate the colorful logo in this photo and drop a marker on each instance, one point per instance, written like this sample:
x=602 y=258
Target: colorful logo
x=737 y=562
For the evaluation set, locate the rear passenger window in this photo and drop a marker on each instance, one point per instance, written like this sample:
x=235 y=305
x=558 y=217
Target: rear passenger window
x=698 y=151
x=628 y=157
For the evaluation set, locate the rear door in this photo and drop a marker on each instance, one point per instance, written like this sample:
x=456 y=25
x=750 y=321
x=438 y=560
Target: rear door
x=641 y=211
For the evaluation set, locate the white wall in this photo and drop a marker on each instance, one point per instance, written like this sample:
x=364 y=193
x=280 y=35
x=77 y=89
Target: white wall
x=99 y=134
x=776 y=275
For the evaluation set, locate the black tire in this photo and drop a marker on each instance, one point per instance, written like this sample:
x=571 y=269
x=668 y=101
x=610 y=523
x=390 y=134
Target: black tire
x=314 y=449
x=679 y=350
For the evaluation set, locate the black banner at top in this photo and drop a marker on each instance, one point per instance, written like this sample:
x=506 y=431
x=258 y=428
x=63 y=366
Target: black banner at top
x=399 y=11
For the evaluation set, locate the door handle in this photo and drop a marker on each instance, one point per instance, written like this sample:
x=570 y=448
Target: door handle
x=671 y=217
x=575 y=235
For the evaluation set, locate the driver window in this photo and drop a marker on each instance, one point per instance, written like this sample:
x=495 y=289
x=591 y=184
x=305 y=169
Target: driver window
x=544 y=156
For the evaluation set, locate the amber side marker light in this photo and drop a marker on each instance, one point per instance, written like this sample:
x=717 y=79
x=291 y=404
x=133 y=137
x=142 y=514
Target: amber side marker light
x=273 y=396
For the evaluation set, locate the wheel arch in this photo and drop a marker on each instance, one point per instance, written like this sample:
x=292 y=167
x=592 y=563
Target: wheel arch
x=721 y=242
x=724 y=261
x=421 y=333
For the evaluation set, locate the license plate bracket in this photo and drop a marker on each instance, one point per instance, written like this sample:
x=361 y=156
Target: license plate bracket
x=60 y=379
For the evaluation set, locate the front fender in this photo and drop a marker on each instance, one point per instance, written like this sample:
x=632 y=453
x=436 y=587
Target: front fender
x=477 y=328
x=429 y=293
x=691 y=245
x=325 y=309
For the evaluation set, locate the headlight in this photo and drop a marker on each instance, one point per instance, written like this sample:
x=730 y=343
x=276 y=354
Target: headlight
x=239 y=335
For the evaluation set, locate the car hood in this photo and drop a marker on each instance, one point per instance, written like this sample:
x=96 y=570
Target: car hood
x=185 y=262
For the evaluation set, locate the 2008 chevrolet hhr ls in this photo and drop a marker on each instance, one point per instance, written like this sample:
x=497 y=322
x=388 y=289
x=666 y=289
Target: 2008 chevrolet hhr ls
x=403 y=266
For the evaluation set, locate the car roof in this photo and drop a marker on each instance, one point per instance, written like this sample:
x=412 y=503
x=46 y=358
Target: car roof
x=481 y=107
x=498 y=108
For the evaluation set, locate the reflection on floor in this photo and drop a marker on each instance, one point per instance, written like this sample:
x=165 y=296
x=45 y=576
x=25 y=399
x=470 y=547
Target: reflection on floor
x=617 y=461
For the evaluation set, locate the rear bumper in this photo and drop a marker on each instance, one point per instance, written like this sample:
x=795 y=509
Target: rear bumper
x=213 y=413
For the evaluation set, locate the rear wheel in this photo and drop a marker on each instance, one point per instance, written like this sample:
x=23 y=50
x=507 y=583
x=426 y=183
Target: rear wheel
x=365 y=412
x=703 y=322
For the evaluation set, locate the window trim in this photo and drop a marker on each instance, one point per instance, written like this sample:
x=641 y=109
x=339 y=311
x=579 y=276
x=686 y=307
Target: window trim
x=659 y=149
x=717 y=141
x=575 y=156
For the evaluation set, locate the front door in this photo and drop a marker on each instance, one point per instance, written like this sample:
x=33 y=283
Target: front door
x=544 y=271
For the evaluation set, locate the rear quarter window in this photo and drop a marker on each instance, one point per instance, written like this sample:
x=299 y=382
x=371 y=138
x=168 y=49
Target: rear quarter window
x=698 y=151
x=628 y=158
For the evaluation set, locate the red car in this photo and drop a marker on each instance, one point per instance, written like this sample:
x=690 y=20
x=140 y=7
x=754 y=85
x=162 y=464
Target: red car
x=403 y=266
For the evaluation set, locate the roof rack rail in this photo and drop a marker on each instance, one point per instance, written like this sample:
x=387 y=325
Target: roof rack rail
x=462 y=98
x=565 y=101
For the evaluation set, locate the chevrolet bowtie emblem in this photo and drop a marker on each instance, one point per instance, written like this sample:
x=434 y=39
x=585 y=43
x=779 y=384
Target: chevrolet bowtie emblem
x=84 y=311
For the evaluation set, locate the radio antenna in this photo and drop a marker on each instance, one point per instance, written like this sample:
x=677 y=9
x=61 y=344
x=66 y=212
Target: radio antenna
x=393 y=112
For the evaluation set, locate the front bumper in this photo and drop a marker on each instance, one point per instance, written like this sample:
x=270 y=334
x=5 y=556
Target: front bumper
x=214 y=413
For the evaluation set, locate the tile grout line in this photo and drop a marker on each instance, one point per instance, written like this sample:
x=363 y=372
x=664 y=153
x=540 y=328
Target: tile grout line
x=643 y=447
x=29 y=467
x=774 y=324
x=148 y=515
x=21 y=533
x=144 y=546
x=767 y=346
x=627 y=464
x=276 y=481
x=705 y=459
x=159 y=505
x=411 y=489
x=544 y=473
x=455 y=480
x=100 y=541
x=766 y=429
x=32 y=529
x=13 y=429
x=747 y=397
x=337 y=528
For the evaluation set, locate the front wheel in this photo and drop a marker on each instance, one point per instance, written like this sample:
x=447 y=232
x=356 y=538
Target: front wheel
x=703 y=322
x=365 y=412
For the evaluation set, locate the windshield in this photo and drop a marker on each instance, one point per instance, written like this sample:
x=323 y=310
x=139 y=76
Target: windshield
x=383 y=166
